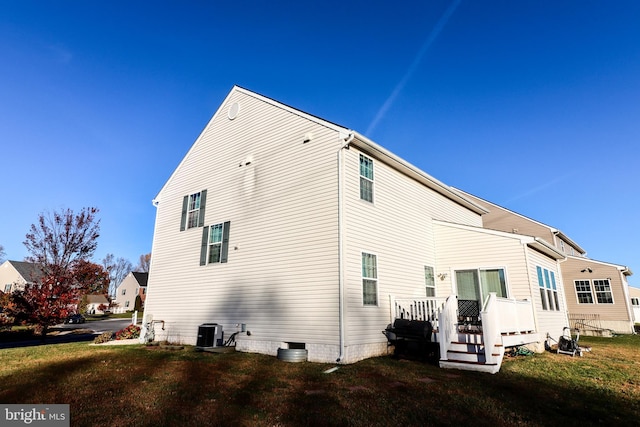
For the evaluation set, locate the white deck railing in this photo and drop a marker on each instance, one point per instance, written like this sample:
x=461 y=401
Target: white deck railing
x=416 y=309
x=447 y=321
x=514 y=316
x=499 y=316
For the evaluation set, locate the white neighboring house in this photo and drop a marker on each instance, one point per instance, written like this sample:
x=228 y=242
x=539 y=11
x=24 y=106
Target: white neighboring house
x=94 y=302
x=312 y=236
x=15 y=274
x=135 y=283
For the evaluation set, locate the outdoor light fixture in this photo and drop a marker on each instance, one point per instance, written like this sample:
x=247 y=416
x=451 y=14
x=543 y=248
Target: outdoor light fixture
x=588 y=270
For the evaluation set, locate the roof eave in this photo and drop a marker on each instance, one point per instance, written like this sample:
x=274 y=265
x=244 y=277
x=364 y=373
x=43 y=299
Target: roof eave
x=542 y=246
x=362 y=142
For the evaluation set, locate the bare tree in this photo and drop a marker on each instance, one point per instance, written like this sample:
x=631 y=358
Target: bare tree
x=143 y=263
x=117 y=269
x=2 y=253
x=61 y=239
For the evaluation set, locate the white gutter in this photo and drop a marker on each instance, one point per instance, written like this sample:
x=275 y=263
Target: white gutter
x=341 y=249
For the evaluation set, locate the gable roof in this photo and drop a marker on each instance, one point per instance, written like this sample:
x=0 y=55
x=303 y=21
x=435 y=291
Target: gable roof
x=356 y=139
x=141 y=278
x=28 y=270
x=553 y=230
x=97 y=299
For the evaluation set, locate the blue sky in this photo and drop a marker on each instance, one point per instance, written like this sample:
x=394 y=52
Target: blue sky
x=533 y=105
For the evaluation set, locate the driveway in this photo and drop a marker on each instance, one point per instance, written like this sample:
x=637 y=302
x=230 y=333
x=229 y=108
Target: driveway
x=84 y=332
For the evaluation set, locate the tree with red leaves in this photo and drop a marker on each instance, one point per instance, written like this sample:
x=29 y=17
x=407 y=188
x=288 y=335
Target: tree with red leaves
x=60 y=245
x=92 y=278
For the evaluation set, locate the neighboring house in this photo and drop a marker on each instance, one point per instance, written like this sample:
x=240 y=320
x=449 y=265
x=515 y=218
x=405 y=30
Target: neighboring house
x=598 y=296
x=503 y=219
x=15 y=274
x=309 y=235
x=634 y=293
x=94 y=302
x=135 y=283
x=597 y=292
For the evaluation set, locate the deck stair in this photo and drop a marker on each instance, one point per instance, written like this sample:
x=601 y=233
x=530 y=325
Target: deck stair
x=467 y=352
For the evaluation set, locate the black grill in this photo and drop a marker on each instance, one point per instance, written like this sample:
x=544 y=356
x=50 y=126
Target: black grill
x=412 y=338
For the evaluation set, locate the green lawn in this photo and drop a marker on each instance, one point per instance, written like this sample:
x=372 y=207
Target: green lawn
x=149 y=386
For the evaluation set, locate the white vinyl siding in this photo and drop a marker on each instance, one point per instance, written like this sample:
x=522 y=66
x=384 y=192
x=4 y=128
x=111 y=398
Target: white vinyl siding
x=402 y=238
x=282 y=275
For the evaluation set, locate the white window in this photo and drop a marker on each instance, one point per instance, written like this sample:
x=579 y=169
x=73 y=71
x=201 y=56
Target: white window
x=603 y=291
x=366 y=178
x=369 y=279
x=215 y=243
x=193 y=212
x=548 y=289
x=7 y=288
x=635 y=302
x=583 y=291
x=126 y=304
x=124 y=291
x=429 y=281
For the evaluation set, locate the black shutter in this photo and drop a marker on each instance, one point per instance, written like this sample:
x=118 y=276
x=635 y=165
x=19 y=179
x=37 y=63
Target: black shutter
x=183 y=219
x=203 y=202
x=203 y=248
x=225 y=242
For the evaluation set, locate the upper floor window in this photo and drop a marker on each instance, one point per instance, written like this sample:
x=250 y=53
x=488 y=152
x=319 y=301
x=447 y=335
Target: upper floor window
x=124 y=291
x=369 y=279
x=583 y=291
x=429 y=281
x=635 y=302
x=215 y=244
x=603 y=291
x=193 y=210
x=7 y=288
x=548 y=289
x=366 y=178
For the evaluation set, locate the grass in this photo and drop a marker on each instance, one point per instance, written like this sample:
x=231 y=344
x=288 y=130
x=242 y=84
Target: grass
x=149 y=386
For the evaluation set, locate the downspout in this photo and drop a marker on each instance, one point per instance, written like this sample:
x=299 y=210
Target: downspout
x=341 y=305
x=627 y=298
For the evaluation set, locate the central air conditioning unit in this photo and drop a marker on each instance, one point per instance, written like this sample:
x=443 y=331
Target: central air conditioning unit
x=209 y=335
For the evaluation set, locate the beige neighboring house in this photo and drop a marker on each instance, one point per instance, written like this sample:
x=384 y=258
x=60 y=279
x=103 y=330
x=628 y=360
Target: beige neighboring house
x=94 y=302
x=634 y=293
x=298 y=233
x=598 y=300
x=15 y=274
x=135 y=283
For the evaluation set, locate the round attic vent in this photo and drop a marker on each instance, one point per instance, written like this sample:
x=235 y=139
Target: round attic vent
x=234 y=109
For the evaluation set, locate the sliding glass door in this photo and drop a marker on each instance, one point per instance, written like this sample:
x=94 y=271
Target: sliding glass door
x=477 y=284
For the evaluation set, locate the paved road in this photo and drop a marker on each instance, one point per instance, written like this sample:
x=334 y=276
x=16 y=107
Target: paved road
x=92 y=329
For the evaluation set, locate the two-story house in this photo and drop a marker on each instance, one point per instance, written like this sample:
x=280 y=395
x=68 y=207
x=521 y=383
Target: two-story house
x=303 y=234
x=134 y=284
